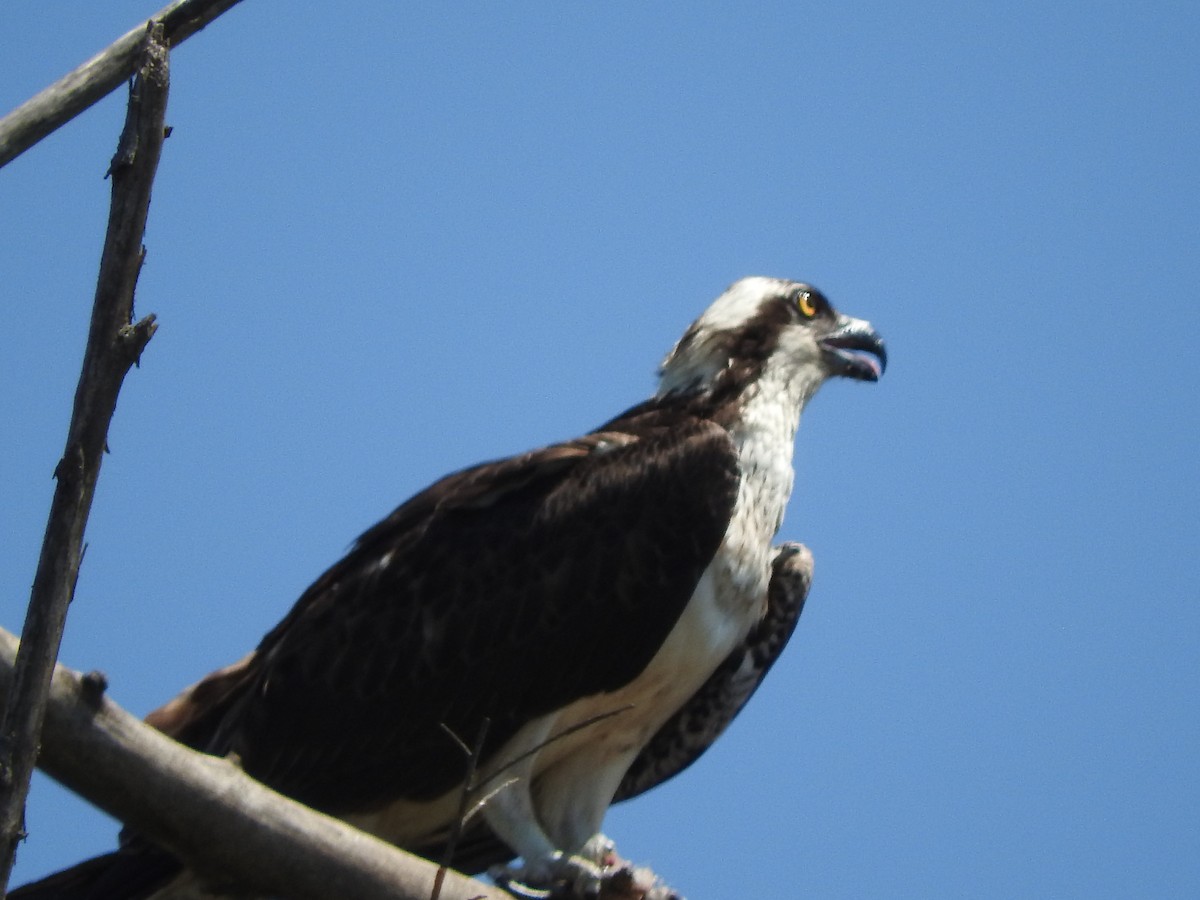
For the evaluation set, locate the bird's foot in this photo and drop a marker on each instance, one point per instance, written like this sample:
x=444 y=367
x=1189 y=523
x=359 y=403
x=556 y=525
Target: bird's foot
x=557 y=875
x=595 y=873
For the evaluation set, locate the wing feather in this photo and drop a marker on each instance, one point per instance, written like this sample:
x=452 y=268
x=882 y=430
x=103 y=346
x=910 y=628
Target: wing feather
x=504 y=591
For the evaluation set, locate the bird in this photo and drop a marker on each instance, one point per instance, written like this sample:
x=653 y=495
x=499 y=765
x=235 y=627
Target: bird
x=586 y=617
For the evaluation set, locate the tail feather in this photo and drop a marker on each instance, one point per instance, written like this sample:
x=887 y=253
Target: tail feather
x=134 y=872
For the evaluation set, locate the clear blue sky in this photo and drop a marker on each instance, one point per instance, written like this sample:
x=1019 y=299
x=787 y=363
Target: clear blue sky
x=388 y=241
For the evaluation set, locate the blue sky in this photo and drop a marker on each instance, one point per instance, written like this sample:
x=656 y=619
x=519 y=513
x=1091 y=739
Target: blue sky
x=390 y=241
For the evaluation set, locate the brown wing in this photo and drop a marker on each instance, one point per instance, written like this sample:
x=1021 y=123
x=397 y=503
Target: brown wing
x=504 y=591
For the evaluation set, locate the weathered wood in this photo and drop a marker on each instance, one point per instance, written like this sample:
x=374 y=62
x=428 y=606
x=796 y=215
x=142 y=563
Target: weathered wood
x=99 y=76
x=214 y=816
x=114 y=344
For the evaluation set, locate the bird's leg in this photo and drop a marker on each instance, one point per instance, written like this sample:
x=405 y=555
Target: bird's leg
x=545 y=868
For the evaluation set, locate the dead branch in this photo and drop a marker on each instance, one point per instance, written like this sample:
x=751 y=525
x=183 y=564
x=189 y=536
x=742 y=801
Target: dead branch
x=205 y=810
x=99 y=76
x=114 y=344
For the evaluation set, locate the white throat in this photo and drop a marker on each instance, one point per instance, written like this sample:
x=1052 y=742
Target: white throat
x=765 y=435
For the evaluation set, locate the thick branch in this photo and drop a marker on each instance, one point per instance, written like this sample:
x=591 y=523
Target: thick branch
x=212 y=815
x=113 y=345
x=99 y=76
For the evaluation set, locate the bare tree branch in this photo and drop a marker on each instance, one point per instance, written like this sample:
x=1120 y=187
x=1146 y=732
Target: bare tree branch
x=99 y=76
x=212 y=815
x=113 y=345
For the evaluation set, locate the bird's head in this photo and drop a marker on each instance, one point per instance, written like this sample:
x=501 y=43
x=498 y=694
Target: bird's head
x=762 y=326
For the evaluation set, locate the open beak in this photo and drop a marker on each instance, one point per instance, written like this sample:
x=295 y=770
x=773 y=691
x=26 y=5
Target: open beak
x=854 y=350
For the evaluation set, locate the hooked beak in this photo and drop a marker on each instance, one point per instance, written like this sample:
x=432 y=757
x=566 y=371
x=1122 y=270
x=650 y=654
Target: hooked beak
x=854 y=350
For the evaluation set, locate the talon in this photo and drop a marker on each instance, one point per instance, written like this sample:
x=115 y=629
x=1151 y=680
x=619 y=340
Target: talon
x=554 y=875
x=506 y=880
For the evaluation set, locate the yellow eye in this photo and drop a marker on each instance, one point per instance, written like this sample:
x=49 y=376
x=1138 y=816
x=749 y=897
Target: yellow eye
x=807 y=303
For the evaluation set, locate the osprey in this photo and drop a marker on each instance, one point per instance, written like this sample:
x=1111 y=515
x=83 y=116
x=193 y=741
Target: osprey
x=592 y=613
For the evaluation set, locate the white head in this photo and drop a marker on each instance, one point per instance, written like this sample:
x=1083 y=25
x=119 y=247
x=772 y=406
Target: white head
x=769 y=325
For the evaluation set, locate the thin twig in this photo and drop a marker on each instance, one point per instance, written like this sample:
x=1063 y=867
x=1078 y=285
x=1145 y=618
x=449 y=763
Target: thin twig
x=460 y=820
x=113 y=345
x=487 y=798
x=53 y=107
x=462 y=745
